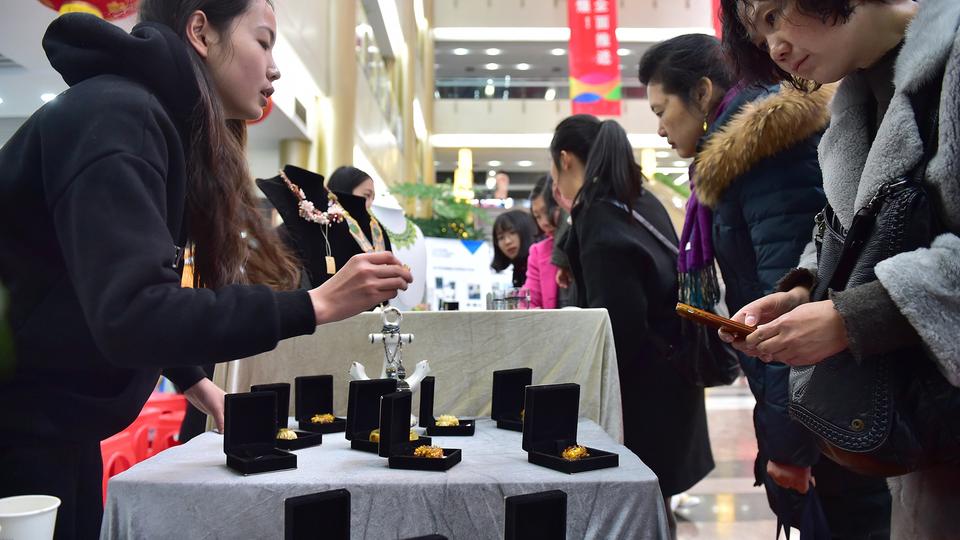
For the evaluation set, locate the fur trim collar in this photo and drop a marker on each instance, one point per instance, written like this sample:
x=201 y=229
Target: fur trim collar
x=760 y=129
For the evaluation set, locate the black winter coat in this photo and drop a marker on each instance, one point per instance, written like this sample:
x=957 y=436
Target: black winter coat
x=92 y=197
x=618 y=265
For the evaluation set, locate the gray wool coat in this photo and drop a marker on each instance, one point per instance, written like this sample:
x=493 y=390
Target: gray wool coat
x=924 y=284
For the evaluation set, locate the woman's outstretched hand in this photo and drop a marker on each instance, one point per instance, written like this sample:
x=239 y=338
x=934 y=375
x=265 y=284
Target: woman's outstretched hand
x=366 y=280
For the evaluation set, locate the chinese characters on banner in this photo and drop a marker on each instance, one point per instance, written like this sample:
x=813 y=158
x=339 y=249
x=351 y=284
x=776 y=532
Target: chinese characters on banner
x=594 y=63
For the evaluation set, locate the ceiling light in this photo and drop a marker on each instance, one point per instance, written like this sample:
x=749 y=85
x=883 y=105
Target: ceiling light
x=1 y=101
x=662 y=155
x=679 y=163
x=491 y=172
x=489 y=90
x=550 y=94
x=558 y=52
x=494 y=163
x=491 y=66
x=47 y=97
x=493 y=51
x=524 y=163
x=557 y=34
x=523 y=66
x=623 y=52
x=460 y=51
x=491 y=182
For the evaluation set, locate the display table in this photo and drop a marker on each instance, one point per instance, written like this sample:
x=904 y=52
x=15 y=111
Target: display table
x=188 y=492
x=464 y=349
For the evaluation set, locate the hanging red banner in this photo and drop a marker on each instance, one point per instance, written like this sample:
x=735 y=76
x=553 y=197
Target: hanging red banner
x=594 y=62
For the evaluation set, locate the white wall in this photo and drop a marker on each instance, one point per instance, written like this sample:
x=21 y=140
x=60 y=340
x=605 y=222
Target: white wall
x=525 y=116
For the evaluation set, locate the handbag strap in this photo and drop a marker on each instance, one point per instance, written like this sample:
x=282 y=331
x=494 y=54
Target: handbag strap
x=864 y=220
x=649 y=226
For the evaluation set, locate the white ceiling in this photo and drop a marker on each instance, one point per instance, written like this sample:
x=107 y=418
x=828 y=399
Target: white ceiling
x=544 y=65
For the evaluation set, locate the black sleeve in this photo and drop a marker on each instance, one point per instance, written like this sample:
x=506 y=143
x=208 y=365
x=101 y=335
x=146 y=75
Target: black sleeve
x=184 y=377
x=109 y=209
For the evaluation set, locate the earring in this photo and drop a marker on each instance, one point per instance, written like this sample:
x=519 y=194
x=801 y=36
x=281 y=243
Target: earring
x=705 y=125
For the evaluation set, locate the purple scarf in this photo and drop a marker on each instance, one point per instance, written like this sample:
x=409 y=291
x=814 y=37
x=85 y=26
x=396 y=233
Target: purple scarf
x=699 y=286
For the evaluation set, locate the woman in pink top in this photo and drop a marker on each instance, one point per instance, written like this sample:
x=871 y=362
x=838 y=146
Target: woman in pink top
x=541 y=272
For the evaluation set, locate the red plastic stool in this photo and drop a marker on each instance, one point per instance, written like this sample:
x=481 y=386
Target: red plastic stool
x=144 y=430
x=118 y=456
x=168 y=428
x=167 y=402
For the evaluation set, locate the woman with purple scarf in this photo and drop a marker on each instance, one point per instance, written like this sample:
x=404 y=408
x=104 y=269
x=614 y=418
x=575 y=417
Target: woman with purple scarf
x=756 y=186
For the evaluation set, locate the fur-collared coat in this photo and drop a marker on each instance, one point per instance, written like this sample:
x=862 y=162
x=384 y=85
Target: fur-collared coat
x=757 y=169
x=923 y=286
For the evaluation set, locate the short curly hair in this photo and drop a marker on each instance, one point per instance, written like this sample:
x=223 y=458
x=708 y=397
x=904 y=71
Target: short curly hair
x=752 y=64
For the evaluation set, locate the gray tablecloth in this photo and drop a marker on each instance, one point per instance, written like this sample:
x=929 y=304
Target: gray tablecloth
x=464 y=348
x=188 y=492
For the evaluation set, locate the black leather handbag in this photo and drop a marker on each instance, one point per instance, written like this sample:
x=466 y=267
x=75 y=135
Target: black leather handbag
x=892 y=413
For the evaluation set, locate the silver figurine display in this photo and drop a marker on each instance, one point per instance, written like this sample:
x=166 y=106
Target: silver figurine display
x=393 y=342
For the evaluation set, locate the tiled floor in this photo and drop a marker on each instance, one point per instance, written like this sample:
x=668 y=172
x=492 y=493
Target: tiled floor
x=730 y=506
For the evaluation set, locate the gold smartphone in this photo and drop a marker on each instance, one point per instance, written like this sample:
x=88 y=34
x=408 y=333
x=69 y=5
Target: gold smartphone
x=738 y=330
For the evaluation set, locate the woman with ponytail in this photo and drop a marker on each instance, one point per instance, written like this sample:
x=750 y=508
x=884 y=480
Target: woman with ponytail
x=620 y=262
x=100 y=191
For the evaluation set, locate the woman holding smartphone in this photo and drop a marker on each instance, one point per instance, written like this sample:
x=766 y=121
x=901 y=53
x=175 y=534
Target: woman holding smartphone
x=894 y=116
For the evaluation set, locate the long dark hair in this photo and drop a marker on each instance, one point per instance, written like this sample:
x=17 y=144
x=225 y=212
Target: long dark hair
x=345 y=179
x=679 y=63
x=610 y=170
x=543 y=189
x=523 y=224
x=220 y=200
x=753 y=64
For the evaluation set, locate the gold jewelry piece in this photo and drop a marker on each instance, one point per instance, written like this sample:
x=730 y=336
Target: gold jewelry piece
x=286 y=434
x=322 y=419
x=521 y=413
x=414 y=436
x=433 y=452
x=447 y=420
x=375 y=435
x=573 y=453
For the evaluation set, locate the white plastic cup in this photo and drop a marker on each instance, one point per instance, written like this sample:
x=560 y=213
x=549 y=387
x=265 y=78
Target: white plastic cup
x=28 y=517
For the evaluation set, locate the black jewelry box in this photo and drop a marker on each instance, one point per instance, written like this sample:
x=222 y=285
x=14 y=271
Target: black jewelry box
x=305 y=439
x=395 y=444
x=466 y=428
x=508 y=388
x=363 y=412
x=550 y=426
x=250 y=421
x=315 y=396
x=318 y=515
x=536 y=515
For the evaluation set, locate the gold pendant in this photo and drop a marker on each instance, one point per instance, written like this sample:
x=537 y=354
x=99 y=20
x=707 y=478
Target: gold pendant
x=331 y=265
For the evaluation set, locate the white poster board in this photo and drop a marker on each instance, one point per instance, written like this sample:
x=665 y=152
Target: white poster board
x=459 y=270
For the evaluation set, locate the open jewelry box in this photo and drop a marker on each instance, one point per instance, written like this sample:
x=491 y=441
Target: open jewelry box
x=540 y=515
x=466 y=428
x=363 y=413
x=508 y=393
x=317 y=515
x=395 y=443
x=250 y=432
x=550 y=426
x=314 y=395
x=305 y=439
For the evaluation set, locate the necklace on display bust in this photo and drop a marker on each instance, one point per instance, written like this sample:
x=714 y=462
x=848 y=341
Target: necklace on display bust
x=336 y=213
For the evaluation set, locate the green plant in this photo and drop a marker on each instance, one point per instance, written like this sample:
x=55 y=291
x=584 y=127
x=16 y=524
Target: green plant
x=667 y=180
x=452 y=218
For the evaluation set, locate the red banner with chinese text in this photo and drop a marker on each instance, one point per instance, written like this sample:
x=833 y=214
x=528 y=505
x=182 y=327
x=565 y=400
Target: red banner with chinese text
x=594 y=62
